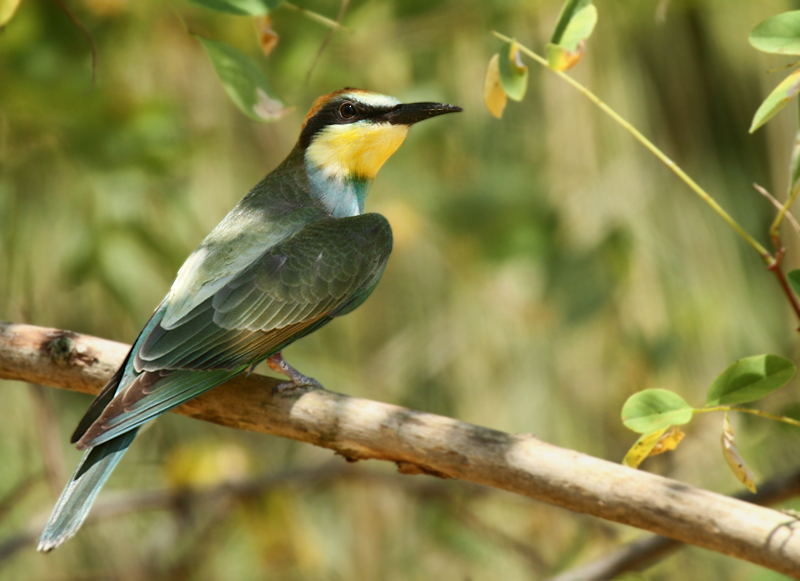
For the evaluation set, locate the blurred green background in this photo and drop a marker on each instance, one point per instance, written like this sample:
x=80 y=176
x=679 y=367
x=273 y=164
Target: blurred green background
x=545 y=268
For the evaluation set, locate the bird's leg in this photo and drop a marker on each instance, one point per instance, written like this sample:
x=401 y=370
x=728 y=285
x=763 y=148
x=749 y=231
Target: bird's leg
x=278 y=364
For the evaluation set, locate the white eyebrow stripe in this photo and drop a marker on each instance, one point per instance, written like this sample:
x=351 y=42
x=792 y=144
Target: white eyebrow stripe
x=372 y=99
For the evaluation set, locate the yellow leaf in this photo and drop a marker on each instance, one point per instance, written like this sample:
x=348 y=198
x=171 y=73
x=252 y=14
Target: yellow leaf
x=735 y=461
x=563 y=59
x=7 y=10
x=643 y=447
x=493 y=94
x=267 y=38
x=668 y=441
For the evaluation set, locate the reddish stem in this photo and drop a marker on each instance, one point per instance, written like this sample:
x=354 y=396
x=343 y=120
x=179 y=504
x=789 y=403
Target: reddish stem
x=775 y=267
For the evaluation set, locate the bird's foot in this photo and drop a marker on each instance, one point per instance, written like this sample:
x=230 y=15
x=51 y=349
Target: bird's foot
x=298 y=380
x=306 y=384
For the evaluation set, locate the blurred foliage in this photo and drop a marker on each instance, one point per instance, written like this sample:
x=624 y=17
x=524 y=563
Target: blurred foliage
x=545 y=268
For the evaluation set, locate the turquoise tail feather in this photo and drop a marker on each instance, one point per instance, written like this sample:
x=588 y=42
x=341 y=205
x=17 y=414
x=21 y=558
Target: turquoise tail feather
x=75 y=501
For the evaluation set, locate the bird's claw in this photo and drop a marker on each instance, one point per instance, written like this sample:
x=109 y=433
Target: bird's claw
x=304 y=384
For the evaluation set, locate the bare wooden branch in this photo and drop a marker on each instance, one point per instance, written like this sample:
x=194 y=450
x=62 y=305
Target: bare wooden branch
x=425 y=443
x=643 y=553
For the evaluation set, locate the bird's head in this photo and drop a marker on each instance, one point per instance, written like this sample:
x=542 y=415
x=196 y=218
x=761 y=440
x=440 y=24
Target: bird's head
x=349 y=134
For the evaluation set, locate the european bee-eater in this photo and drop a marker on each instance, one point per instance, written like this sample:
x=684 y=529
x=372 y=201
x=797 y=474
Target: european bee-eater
x=293 y=255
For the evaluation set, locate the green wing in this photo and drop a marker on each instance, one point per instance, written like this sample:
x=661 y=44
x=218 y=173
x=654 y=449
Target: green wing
x=270 y=213
x=327 y=268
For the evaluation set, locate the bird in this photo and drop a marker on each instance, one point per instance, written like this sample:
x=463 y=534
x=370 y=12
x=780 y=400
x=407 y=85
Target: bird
x=295 y=253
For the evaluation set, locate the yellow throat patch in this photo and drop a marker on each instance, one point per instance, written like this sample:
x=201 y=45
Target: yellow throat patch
x=355 y=150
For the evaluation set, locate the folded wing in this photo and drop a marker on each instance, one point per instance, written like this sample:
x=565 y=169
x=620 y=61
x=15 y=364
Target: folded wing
x=295 y=287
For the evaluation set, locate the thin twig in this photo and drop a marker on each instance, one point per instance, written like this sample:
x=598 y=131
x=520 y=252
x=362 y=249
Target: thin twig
x=773 y=261
x=787 y=290
x=779 y=206
x=763 y=252
x=316 y=17
x=87 y=33
x=752 y=411
x=328 y=37
x=780 y=250
x=777 y=266
x=794 y=189
x=783 y=68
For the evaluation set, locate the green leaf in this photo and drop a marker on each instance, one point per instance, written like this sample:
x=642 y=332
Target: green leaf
x=653 y=409
x=580 y=28
x=794 y=166
x=240 y=7
x=779 y=34
x=750 y=379
x=575 y=25
x=793 y=276
x=777 y=100
x=513 y=73
x=243 y=80
x=568 y=13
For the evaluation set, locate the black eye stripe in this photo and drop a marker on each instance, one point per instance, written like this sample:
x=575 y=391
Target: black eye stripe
x=330 y=114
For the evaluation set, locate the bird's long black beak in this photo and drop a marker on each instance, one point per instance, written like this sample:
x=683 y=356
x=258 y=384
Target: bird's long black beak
x=410 y=113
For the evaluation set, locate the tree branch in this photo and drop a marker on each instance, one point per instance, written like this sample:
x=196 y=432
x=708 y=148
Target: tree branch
x=645 y=552
x=425 y=443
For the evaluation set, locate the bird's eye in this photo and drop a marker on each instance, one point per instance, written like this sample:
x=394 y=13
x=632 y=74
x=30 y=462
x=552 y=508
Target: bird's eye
x=347 y=110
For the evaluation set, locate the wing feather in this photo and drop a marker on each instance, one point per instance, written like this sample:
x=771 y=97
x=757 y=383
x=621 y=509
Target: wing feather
x=294 y=287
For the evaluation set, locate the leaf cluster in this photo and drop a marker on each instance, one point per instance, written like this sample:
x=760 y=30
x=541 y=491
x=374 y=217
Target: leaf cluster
x=242 y=78
x=778 y=35
x=507 y=75
x=657 y=413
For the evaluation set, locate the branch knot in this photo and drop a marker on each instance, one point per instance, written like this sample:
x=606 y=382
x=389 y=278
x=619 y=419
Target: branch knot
x=63 y=350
